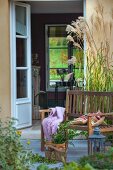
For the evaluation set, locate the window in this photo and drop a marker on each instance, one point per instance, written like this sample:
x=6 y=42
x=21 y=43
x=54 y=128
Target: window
x=58 y=51
x=21 y=53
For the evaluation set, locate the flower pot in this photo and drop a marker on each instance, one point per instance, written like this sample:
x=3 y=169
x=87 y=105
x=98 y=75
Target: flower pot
x=56 y=152
x=61 y=145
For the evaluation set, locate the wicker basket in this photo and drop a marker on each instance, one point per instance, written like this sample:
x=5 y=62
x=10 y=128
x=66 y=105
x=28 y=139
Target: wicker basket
x=56 y=152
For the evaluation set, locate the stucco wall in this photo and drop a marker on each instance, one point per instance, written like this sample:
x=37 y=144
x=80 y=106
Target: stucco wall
x=5 y=101
x=91 y=4
x=5 y=93
x=108 y=22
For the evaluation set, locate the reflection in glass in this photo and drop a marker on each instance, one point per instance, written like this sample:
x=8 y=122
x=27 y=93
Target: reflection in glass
x=58 y=51
x=21 y=28
x=58 y=58
x=21 y=56
x=58 y=42
x=21 y=83
x=57 y=31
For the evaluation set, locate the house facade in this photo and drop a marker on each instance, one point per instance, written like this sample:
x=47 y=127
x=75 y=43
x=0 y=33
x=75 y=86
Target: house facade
x=12 y=102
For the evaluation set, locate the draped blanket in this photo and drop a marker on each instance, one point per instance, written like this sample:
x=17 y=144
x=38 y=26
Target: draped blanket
x=51 y=123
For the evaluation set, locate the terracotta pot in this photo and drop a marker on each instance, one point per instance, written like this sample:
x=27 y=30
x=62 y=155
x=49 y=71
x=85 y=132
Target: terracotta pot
x=48 y=143
x=62 y=145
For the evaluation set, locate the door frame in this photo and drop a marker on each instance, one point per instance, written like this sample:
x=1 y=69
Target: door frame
x=14 y=100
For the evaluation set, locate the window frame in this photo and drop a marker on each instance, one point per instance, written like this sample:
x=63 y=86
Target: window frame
x=47 y=65
x=48 y=88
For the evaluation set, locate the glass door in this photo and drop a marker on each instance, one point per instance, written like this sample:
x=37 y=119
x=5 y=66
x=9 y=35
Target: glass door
x=21 y=66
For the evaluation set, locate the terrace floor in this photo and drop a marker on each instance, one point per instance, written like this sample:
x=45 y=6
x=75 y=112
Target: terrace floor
x=76 y=149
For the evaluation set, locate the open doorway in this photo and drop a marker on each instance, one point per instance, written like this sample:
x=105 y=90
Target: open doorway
x=44 y=13
x=50 y=13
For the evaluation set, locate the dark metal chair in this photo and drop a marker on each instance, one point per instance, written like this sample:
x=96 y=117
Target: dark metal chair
x=43 y=100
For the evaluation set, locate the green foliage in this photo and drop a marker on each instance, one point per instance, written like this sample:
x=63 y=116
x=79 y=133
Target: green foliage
x=63 y=133
x=59 y=55
x=76 y=166
x=98 y=75
x=91 y=162
x=42 y=167
x=99 y=160
x=68 y=166
x=83 y=133
x=109 y=138
x=98 y=50
x=79 y=64
x=57 y=41
x=12 y=154
x=38 y=158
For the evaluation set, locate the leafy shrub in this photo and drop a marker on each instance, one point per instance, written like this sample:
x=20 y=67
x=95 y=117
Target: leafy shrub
x=68 y=166
x=99 y=160
x=42 y=167
x=76 y=166
x=63 y=133
x=12 y=154
x=38 y=158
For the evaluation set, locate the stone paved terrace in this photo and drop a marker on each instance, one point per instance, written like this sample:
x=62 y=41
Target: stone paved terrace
x=76 y=149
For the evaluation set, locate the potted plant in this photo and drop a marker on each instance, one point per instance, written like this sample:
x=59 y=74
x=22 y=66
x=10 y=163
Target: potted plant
x=63 y=134
x=57 y=148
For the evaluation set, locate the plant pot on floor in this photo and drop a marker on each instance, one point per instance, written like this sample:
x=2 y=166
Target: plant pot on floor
x=56 y=152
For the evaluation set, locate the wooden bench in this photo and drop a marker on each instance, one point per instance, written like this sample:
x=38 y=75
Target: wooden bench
x=84 y=102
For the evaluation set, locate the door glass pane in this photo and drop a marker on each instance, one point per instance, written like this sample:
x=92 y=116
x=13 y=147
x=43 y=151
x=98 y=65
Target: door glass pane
x=21 y=83
x=21 y=57
x=79 y=65
x=60 y=42
x=21 y=28
x=58 y=54
x=57 y=31
x=58 y=58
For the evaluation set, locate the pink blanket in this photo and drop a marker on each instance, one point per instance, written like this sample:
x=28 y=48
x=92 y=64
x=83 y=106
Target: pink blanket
x=50 y=124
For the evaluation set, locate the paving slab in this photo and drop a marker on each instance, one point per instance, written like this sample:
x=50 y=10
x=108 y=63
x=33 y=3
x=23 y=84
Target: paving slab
x=76 y=150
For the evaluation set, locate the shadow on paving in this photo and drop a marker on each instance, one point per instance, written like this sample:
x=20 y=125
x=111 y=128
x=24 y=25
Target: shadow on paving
x=76 y=149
